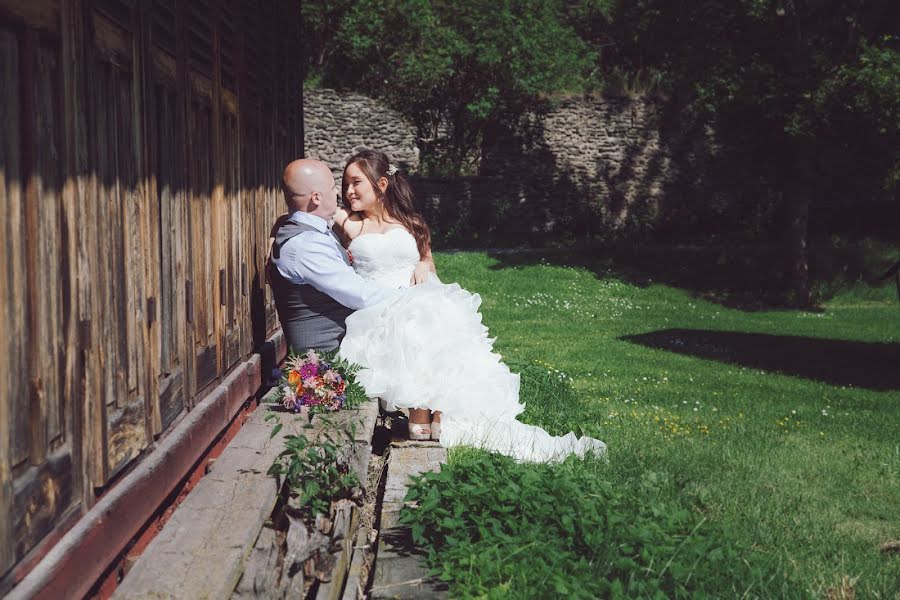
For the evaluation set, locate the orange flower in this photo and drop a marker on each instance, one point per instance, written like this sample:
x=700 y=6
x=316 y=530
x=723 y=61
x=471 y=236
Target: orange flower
x=294 y=377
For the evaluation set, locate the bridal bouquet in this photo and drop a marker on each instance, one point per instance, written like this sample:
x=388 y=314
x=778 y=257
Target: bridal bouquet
x=315 y=381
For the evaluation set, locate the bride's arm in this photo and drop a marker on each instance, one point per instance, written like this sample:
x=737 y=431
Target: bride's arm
x=341 y=217
x=425 y=266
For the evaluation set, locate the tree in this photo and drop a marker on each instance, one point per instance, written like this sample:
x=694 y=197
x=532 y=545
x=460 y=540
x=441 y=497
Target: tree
x=810 y=87
x=454 y=67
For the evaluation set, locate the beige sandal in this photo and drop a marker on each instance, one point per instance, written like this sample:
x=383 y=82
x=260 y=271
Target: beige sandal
x=420 y=431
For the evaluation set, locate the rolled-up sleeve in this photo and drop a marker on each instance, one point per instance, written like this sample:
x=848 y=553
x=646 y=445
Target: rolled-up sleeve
x=311 y=258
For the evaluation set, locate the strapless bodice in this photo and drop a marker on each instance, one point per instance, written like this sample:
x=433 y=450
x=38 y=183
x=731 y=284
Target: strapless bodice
x=387 y=258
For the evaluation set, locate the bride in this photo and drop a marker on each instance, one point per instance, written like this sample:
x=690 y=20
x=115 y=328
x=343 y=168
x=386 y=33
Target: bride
x=428 y=350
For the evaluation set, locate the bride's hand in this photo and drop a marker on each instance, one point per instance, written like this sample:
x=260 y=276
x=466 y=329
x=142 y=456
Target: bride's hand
x=420 y=273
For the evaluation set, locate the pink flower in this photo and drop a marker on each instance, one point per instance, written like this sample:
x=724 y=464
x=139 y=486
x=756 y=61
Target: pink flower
x=309 y=370
x=289 y=400
x=310 y=384
x=331 y=376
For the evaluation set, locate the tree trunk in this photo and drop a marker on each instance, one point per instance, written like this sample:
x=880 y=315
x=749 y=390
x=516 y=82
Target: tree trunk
x=796 y=210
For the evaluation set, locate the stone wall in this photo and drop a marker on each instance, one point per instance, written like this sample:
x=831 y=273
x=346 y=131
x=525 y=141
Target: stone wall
x=338 y=124
x=581 y=166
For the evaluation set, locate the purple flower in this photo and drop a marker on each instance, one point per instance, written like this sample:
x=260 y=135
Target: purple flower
x=309 y=370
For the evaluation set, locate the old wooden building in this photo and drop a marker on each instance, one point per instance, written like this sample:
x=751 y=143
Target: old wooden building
x=141 y=150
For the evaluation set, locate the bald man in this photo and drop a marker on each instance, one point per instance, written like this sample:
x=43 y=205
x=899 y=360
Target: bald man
x=314 y=286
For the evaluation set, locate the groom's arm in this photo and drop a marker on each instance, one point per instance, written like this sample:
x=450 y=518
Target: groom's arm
x=311 y=258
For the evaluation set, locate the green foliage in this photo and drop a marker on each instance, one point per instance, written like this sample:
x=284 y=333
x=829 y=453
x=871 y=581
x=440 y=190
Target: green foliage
x=781 y=78
x=493 y=527
x=864 y=96
x=455 y=68
x=316 y=470
x=788 y=464
x=354 y=392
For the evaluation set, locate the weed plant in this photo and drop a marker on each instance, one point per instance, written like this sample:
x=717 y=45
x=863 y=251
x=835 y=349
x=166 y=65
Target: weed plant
x=499 y=529
x=316 y=470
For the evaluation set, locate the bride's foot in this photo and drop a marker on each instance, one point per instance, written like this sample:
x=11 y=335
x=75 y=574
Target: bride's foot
x=420 y=431
x=419 y=424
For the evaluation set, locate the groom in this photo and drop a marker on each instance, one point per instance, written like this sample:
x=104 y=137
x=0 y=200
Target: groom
x=314 y=286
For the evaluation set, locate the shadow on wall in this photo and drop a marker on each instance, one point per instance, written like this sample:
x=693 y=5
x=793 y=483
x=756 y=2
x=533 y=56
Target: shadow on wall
x=600 y=167
x=838 y=362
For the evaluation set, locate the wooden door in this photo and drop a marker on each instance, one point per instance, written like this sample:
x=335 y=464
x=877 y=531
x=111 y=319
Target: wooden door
x=39 y=474
x=126 y=248
x=168 y=167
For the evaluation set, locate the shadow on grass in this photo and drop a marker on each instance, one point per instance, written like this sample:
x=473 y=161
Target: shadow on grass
x=741 y=276
x=869 y=365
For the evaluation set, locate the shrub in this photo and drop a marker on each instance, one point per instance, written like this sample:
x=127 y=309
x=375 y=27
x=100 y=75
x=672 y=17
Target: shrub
x=493 y=527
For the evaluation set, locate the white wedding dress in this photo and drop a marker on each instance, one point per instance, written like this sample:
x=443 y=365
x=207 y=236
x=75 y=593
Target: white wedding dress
x=428 y=349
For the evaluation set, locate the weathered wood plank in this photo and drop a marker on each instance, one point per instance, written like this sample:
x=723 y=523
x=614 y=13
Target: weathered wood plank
x=400 y=570
x=196 y=555
x=74 y=199
x=345 y=522
x=40 y=497
x=147 y=144
x=47 y=258
x=13 y=392
x=237 y=492
x=15 y=299
x=127 y=430
x=182 y=185
x=261 y=569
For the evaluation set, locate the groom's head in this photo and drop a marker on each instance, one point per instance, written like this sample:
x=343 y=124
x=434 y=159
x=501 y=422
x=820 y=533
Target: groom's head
x=308 y=186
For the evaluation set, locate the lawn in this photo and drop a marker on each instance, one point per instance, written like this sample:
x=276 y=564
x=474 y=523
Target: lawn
x=777 y=431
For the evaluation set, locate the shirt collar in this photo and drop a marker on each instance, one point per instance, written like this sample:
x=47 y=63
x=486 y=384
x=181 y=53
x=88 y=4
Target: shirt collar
x=310 y=219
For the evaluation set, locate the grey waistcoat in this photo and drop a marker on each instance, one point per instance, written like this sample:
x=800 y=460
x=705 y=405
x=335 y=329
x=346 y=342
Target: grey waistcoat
x=309 y=318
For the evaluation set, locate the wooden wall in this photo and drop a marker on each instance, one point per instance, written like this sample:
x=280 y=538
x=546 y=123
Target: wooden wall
x=142 y=147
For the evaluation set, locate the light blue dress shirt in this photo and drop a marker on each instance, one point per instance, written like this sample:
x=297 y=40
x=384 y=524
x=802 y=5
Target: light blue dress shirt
x=314 y=258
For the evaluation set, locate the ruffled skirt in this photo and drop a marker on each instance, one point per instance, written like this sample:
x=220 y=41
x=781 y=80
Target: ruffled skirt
x=429 y=349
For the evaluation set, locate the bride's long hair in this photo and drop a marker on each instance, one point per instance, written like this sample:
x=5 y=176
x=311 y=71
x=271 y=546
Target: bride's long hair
x=398 y=199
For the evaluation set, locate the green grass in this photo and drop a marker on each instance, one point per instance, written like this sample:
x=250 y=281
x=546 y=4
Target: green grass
x=785 y=442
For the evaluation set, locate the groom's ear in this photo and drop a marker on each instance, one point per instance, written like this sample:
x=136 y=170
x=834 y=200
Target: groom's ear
x=315 y=200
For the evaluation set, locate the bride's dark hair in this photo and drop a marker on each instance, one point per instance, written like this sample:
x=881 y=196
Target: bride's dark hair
x=398 y=198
